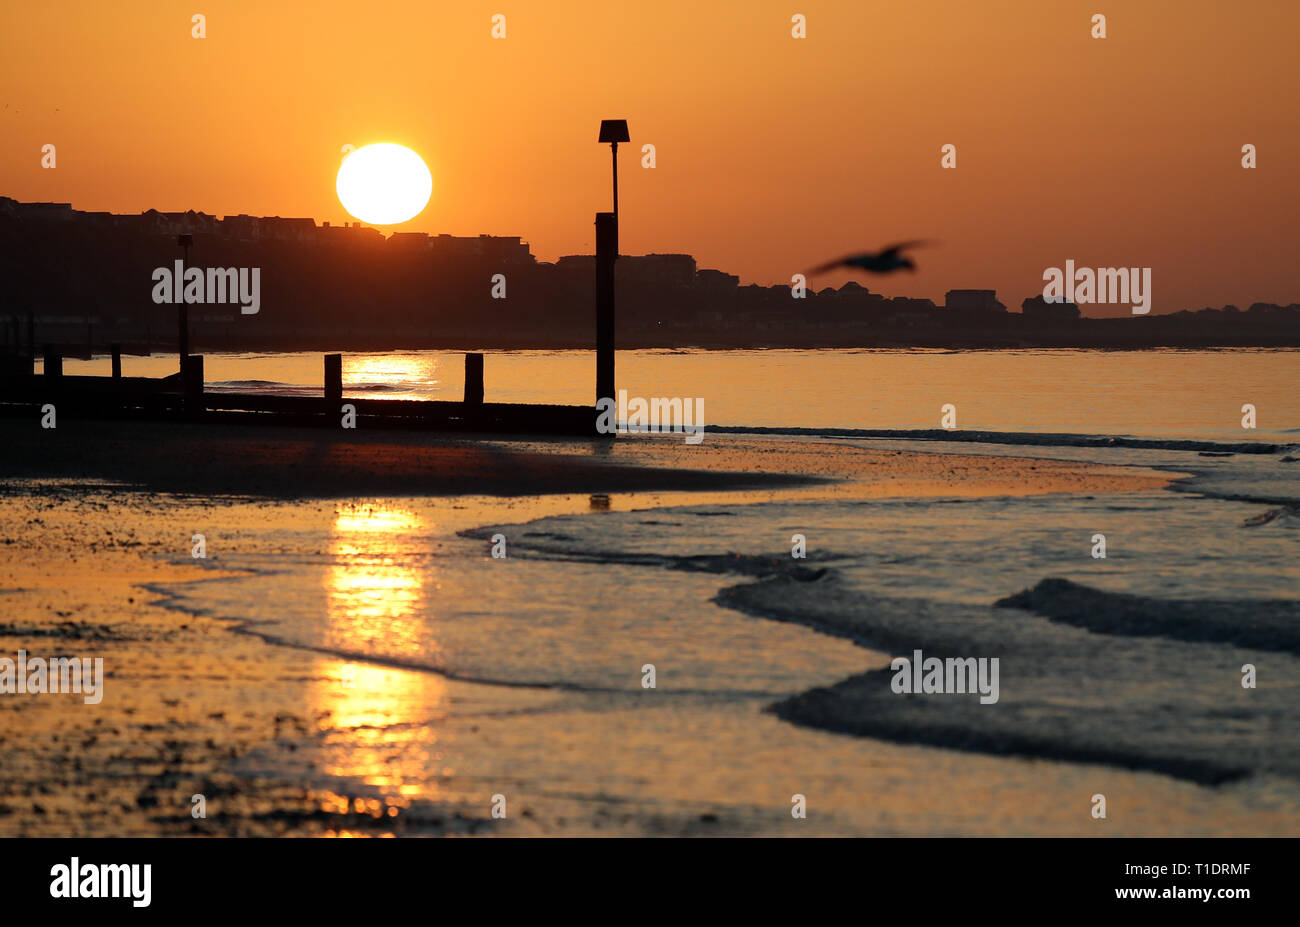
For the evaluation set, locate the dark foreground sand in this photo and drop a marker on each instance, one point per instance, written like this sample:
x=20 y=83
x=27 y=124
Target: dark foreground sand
x=288 y=463
x=300 y=463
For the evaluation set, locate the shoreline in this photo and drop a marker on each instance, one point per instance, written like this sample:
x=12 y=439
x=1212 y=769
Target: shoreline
x=212 y=708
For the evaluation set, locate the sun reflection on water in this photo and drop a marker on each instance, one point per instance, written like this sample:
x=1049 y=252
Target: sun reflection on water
x=382 y=736
x=386 y=376
x=375 y=584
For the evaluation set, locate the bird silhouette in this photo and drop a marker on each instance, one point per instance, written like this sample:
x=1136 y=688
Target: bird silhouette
x=884 y=262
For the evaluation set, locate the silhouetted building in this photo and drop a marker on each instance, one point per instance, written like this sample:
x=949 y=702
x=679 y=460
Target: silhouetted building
x=972 y=302
x=348 y=233
x=350 y=286
x=242 y=227
x=657 y=268
x=716 y=282
x=183 y=223
x=1258 y=309
x=415 y=240
x=275 y=228
x=49 y=212
x=1036 y=307
x=101 y=220
x=912 y=305
x=503 y=249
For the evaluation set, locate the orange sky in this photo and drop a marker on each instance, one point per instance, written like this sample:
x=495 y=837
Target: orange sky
x=773 y=153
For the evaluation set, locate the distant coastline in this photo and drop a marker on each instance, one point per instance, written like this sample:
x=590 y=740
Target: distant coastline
x=83 y=279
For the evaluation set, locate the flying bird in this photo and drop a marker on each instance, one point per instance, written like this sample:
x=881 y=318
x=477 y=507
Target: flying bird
x=885 y=262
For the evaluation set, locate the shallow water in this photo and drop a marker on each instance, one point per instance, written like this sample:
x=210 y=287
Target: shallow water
x=554 y=639
x=1143 y=393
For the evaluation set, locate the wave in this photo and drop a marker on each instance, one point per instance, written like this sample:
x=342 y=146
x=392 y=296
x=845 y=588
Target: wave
x=1069 y=695
x=274 y=387
x=1031 y=438
x=266 y=385
x=378 y=388
x=1264 y=624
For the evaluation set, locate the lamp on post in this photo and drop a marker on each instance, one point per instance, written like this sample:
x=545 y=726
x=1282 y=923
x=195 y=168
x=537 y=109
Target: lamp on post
x=613 y=131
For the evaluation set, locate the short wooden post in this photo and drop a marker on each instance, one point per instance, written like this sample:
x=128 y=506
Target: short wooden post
x=192 y=382
x=473 y=379
x=53 y=362
x=334 y=377
x=117 y=361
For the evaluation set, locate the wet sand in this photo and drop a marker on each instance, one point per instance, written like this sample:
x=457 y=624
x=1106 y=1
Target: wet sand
x=193 y=708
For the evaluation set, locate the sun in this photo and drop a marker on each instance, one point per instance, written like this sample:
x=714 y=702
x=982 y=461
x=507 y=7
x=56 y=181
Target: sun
x=384 y=184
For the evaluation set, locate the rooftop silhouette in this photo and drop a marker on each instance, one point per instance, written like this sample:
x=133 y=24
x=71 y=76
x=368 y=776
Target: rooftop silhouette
x=85 y=278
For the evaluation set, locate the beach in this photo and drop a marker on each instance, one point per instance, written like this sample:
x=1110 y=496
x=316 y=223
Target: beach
x=349 y=658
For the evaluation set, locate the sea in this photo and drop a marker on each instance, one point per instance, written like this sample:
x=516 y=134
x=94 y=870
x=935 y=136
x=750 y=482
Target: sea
x=1160 y=393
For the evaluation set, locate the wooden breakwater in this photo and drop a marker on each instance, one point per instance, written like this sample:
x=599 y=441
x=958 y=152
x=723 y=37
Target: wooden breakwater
x=182 y=397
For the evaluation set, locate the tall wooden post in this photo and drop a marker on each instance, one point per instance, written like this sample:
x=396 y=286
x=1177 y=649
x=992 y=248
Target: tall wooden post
x=613 y=151
x=606 y=253
x=183 y=334
x=183 y=310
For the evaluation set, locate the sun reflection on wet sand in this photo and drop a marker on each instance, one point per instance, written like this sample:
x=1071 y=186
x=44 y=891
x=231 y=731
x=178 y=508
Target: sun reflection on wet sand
x=384 y=731
x=385 y=740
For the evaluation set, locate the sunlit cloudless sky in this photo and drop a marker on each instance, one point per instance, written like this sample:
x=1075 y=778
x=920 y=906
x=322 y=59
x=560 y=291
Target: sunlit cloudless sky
x=773 y=153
